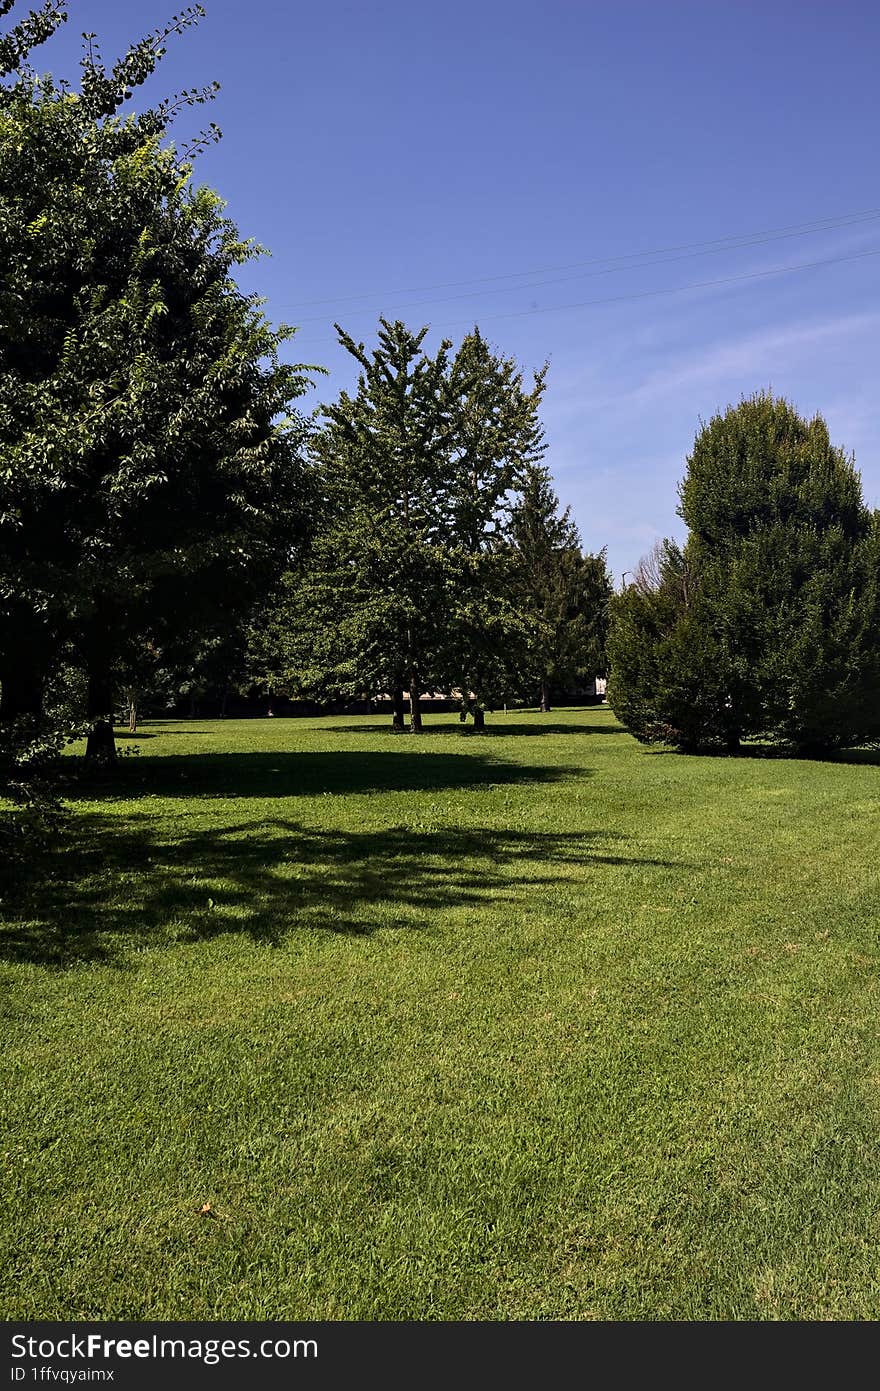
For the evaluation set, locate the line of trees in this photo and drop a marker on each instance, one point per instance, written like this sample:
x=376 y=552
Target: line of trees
x=438 y=559
x=168 y=515
x=170 y=519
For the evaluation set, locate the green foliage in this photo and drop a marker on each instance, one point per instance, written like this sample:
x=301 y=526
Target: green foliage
x=30 y=807
x=365 y=613
x=495 y=441
x=407 y=582
x=760 y=465
x=563 y=593
x=36 y=27
x=767 y=625
x=149 y=446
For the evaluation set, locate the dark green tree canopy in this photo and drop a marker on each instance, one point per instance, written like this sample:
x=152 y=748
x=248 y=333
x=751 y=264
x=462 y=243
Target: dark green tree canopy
x=150 y=443
x=767 y=624
x=760 y=465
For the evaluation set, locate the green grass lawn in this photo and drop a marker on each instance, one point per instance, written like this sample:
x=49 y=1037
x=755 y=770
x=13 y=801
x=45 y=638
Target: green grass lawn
x=540 y=1024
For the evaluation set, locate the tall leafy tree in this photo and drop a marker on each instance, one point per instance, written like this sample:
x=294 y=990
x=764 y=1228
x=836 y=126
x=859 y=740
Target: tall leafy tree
x=496 y=440
x=404 y=586
x=146 y=425
x=367 y=611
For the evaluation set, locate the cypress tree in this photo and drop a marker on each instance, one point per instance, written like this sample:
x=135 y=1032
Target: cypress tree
x=776 y=634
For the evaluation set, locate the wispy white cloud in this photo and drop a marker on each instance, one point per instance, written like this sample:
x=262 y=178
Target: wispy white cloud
x=754 y=356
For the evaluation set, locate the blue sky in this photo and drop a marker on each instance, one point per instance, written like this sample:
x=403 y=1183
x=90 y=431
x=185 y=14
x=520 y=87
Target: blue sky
x=521 y=157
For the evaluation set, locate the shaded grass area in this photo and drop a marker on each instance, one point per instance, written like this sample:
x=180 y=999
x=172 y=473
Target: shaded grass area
x=448 y=1028
x=301 y=774
x=270 y=877
x=498 y=727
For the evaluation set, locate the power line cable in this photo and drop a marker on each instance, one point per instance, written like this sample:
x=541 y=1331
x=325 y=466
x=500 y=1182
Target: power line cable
x=794 y=228
x=583 y=275
x=681 y=289
x=652 y=294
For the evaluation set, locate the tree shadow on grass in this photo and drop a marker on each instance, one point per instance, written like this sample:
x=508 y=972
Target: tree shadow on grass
x=124 y=736
x=104 y=891
x=581 y=727
x=453 y=726
x=868 y=757
x=306 y=774
x=775 y=752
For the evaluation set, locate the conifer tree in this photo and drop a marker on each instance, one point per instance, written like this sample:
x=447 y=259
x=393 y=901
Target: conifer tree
x=777 y=633
x=563 y=592
x=365 y=613
x=407 y=585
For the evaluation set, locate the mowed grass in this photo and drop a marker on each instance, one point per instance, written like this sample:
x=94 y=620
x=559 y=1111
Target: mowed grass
x=536 y=1025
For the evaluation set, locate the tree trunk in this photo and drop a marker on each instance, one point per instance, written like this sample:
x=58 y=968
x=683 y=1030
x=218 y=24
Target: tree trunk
x=132 y=714
x=415 y=704
x=479 y=718
x=101 y=744
x=545 y=697
x=223 y=703
x=21 y=692
x=28 y=651
x=397 y=709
